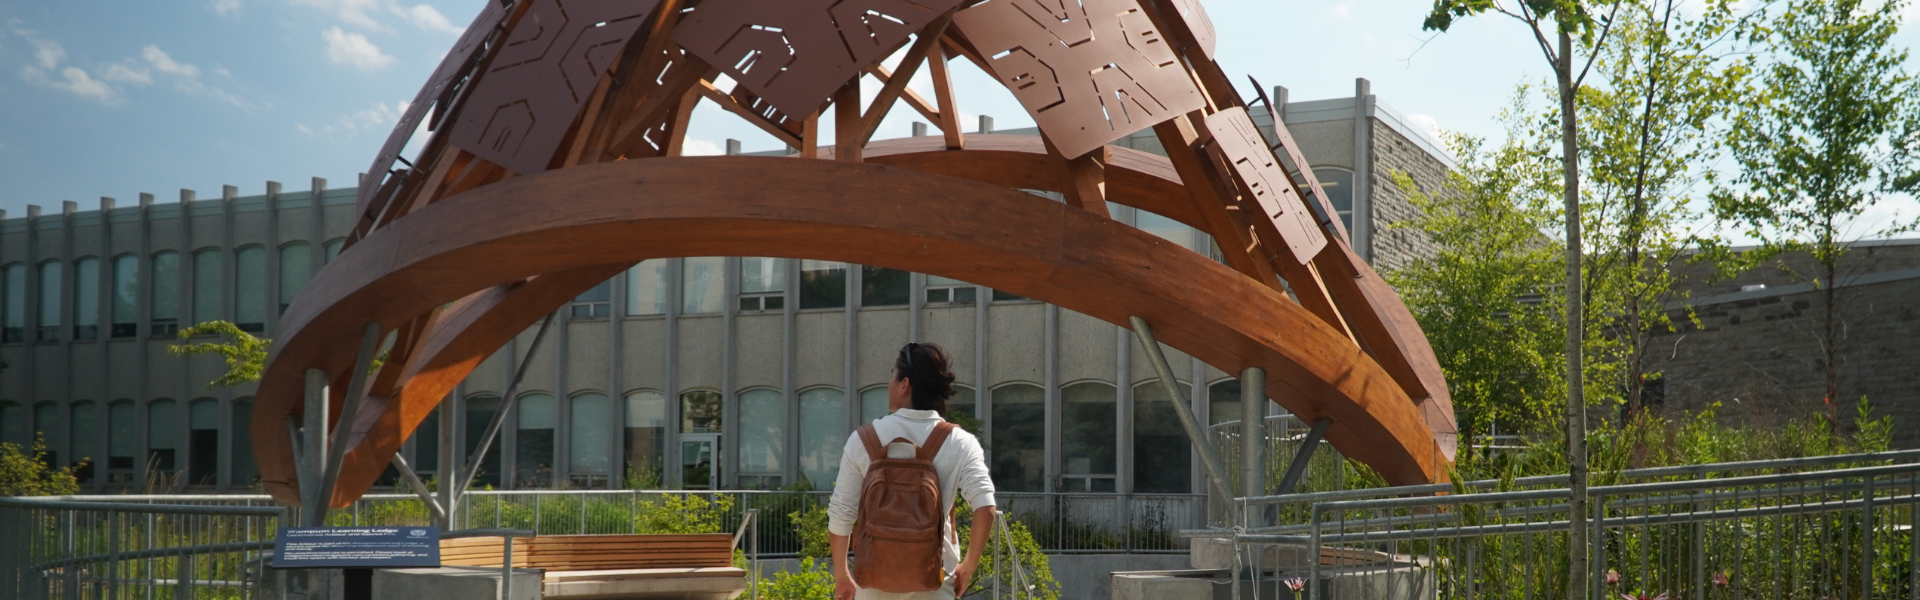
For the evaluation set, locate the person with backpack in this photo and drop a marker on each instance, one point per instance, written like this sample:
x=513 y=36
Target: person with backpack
x=893 y=501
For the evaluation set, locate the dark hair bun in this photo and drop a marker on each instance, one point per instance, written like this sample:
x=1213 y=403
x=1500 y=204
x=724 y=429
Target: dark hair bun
x=929 y=371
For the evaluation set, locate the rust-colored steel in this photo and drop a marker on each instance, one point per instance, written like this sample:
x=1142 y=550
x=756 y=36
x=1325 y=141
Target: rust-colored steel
x=553 y=165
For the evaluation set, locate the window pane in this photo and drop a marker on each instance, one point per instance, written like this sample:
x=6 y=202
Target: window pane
x=16 y=304
x=600 y=292
x=590 y=443
x=647 y=288
x=203 y=442
x=126 y=289
x=873 y=404
x=533 y=460
x=823 y=284
x=1019 y=438
x=86 y=441
x=881 y=286
x=165 y=303
x=1338 y=184
x=762 y=275
x=1161 y=460
x=163 y=435
x=1223 y=402
x=296 y=267
x=13 y=425
x=244 y=470
x=700 y=412
x=823 y=433
x=50 y=294
x=763 y=431
x=426 y=443
x=938 y=281
x=962 y=404
x=1087 y=424
x=646 y=438
x=250 y=289
x=704 y=287
x=123 y=436
x=479 y=413
x=333 y=249
x=206 y=286
x=86 y=293
x=47 y=422
x=1165 y=228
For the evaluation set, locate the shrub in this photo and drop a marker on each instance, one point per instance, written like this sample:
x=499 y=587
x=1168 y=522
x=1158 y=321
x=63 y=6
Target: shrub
x=26 y=473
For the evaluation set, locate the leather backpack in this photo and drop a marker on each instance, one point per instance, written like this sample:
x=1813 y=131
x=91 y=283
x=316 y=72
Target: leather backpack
x=897 y=539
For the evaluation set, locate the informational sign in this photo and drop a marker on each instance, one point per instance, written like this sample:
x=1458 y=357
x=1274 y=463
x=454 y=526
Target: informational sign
x=356 y=547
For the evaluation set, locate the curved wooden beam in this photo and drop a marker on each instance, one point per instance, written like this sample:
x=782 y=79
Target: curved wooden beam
x=616 y=214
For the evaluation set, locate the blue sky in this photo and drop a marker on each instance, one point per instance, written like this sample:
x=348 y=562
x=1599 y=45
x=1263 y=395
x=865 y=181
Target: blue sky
x=117 y=98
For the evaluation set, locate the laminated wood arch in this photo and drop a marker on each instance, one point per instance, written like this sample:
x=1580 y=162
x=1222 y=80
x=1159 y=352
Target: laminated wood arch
x=555 y=163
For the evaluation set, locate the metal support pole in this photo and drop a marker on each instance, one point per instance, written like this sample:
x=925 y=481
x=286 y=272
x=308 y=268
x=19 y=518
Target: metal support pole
x=447 y=469
x=313 y=449
x=342 y=441
x=1253 y=430
x=1303 y=458
x=499 y=416
x=506 y=567
x=420 y=489
x=1182 y=409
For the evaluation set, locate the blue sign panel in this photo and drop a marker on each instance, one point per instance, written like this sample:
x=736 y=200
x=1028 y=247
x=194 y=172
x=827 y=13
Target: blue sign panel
x=356 y=547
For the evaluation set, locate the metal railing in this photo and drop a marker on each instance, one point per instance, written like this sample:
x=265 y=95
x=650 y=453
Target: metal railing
x=68 y=549
x=1836 y=533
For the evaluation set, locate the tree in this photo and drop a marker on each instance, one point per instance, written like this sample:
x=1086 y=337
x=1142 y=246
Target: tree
x=246 y=355
x=25 y=472
x=1554 y=25
x=1824 y=138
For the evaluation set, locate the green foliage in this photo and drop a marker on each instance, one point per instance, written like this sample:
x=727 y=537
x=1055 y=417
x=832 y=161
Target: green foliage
x=814 y=581
x=642 y=475
x=25 y=472
x=684 y=513
x=246 y=355
x=810 y=525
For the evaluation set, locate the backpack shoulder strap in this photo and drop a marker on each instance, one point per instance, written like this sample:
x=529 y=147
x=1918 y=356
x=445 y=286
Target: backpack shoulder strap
x=871 y=438
x=935 y=439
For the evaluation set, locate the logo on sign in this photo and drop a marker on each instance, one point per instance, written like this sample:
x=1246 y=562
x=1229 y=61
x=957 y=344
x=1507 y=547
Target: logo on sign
x=419 y=533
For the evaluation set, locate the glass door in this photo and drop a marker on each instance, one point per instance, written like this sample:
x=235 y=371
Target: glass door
x=699 y=461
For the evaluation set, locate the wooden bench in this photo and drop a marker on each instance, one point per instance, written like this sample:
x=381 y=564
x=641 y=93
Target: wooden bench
x=592 y=567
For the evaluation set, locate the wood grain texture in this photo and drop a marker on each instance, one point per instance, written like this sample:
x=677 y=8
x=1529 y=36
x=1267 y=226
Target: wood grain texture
x=616 y=214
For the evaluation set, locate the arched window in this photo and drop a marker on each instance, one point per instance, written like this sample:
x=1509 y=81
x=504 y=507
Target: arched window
x=296 y=267
x=647 y=287
x=250 y=289
x=703 y=284
x=1338 y=183
x=126 y=296
x=245 y=472
x=13 y=324
x=962 y=404
x=86 y=299
x=1161 y=451
x=85 y=437
x=1019 y=449
x=873 y=403
x=479 y=412
x=333 y=248
x=1088 y=426
x=700 y=411
x=14 y=427
x=165 y=303
x=47 y=423
x=646 y=438
x=49 y=302
x=763 y=437
x=700 y=424
x=203 y=442
x=590 y=443
x=163 y=436
x=1223 y=398
x=123 y=441
x=823 y=433
x=426 y=443
x=533 y=458
x=206 y=286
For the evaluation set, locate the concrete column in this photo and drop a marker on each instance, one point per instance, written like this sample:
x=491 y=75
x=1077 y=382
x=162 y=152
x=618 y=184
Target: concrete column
x=1050 y=382
x=30 y=330
x=790 y=371
x=670 y=471
x=729 y=398
x=143 y=335
x=1362 y=230
x=616 y=395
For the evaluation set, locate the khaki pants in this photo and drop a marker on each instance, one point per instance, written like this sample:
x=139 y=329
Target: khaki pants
x=944 y=593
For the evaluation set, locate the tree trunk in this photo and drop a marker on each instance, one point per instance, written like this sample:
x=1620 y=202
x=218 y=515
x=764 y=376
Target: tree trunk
x=1830 y=345
x=1576 y=393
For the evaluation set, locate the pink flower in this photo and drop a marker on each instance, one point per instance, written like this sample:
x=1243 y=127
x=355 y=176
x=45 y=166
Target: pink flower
x=1613 y=578
x=1720 y=578
x=1296 y=583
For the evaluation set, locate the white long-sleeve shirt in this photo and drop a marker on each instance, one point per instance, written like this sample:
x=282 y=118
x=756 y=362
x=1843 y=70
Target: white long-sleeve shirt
x=961 y=464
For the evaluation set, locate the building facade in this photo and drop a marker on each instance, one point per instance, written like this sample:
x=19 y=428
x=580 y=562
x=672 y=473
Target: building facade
x=692 y=373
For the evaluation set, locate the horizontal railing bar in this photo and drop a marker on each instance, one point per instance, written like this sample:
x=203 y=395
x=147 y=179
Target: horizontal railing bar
x=1609 y=522
x=168 y=582
x=127 y=555
x=473 y=533
x=186 y=509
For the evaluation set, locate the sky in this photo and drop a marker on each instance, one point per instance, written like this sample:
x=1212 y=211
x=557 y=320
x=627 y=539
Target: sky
x=117 y=98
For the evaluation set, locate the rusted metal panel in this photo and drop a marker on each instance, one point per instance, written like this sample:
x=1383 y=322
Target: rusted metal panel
x=522 y=106
x=1089 y=71
x=793 y=54
x=1237 y=138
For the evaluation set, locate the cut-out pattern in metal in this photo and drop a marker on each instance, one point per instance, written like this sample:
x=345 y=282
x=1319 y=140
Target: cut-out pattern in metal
x=1089 y=71
x=543 y=72
x=1195 y=16
x=793 y=54
x=1236 y=136
x=437 y=95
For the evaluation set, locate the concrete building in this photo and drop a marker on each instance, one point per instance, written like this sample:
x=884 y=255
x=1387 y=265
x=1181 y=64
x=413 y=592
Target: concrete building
x=694 y=373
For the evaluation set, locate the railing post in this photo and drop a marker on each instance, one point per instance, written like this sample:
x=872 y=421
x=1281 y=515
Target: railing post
x=183 y=573
x=506 y=566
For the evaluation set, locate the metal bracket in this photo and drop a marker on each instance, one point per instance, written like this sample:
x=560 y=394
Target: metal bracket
x=1301 y=459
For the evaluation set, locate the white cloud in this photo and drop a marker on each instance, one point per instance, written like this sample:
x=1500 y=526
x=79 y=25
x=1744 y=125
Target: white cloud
x=225 y=7
x=74 y=80
x=1425 y=125
x=693 y=147
x=379 y=117
x=165 y=64
x=46 y=52
x=373 y=15
x=1341 y=10
x=425 y=17
x=120 y=73
x=354 y=49
x=352 y=12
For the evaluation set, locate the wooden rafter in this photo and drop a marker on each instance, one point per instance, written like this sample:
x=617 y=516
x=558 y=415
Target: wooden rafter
x=909 y=64
x=728 y=102
x=913 y=99
x=949 y=113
